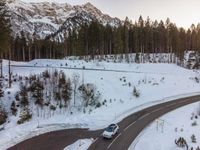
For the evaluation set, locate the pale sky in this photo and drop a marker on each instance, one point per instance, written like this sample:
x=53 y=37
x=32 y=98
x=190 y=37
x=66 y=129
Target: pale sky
x=182 y=12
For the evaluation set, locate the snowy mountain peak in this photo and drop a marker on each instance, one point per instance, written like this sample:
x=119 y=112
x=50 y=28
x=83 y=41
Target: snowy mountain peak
x=45 y=19
x=88 y=4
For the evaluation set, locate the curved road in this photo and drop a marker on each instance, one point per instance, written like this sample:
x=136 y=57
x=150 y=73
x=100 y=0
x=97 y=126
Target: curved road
x=130 y=128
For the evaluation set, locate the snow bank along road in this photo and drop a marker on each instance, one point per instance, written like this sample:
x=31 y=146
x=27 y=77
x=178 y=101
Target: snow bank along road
x=130 y=128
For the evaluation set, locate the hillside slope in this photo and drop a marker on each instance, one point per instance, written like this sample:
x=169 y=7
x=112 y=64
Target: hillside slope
x=44 y=18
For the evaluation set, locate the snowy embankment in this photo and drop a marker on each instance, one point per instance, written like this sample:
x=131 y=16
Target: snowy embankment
x=162 y=133
x=156 y=83
x=81 y=144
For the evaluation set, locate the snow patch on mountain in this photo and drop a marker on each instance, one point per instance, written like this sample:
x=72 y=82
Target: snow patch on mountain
x=44 y=18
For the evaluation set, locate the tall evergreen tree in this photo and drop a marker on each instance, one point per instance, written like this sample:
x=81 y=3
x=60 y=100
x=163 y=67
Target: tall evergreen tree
x=5 y=31
x=1 y=89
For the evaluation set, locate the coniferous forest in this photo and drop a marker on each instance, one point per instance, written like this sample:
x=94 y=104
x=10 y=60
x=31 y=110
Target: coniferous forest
x=142 y=36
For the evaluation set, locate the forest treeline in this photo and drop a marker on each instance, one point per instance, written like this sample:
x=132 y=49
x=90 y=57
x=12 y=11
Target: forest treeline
x=94 y=38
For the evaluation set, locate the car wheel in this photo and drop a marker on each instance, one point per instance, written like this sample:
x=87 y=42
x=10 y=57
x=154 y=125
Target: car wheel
x=117 y=132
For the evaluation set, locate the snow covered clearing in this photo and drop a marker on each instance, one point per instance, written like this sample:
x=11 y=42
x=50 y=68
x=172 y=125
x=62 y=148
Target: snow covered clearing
x=183 y=122
x=81 y=144
x=155 y=83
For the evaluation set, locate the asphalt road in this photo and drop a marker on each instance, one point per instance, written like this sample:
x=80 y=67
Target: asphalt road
x=130 y=128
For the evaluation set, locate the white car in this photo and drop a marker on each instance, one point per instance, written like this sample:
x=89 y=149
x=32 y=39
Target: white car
x=110 y=131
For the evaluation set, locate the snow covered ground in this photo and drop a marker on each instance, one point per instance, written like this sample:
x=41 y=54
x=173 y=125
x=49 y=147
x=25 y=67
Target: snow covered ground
x=177 y=124
x=81 y=144
x=155 y=82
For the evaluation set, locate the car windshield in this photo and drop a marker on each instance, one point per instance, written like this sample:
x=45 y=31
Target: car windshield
x=110 y=128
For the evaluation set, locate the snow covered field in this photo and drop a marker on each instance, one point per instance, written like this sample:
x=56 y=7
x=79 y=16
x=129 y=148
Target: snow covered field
x=81 y=144
x=178 y=123
x=155 y=83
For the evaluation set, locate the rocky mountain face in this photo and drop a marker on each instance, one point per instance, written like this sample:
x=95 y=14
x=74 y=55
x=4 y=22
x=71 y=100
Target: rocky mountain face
x=44 y=19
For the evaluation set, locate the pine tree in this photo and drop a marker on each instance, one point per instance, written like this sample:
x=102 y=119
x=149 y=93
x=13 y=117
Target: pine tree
x=117 y=41
x=5 y=31
x=25 y=115
x=13 y=108
x=23 y=96
x=89 y=94
x=1 y=89
x=67 y=92
x=37 y=93
x=126 y=38
x=75 y=81
x=137 y=57
x=193 y=138
x=136 y=92
x=3 y=115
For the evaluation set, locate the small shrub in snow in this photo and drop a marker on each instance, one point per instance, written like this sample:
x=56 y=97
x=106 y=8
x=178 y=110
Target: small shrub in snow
x=194 y=123
x=32 y=78
x=136 y=92
x=25 y=115
x=37 y=88
x=155 y=84
x=17 y=97
x=13 y=108
x=3 y=115
x=26 y=78
x=1 y=89
x=181 y=129
x=121 y=101
x=197 y=80
x=193 y=139
x=192 y=116
x=47 y=104
x=162 y=79
x=104 y=102
x=45 y=74
x=89 y=94
x=176 y=129
x=90 y=111
x=137 y=58
x=84 y=111
x=52 y=107
x=66 y=91
x=23 y=96
x=55 y=74
x=98 y=105
x=61 y=106
x=20 y=78
x=181 y=142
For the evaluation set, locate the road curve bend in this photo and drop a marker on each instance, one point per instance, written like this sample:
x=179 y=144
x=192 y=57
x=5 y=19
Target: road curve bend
x=130 y=128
